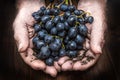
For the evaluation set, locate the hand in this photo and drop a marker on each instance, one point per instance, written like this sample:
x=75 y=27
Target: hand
x=23 y=33
x=96 y=36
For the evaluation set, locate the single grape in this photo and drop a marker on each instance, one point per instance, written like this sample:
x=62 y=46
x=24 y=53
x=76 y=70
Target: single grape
x=54 y=46
x=60 y=27
x=81 y=20
x=79 y=39
x=43 y=8
x=58 y=41
x=39 y=44
x=90 y=19
x=49 y=61
x=62 y=19
x=36 y=16
x=72 y=33
x=42 y=33
x=48 y=39
x=35 y=39
x=67 y=14
x=67 y=26
x=83 y=30
x=56 y=19
x=64 y=7
x=62 y=52
x=72 y=20
x=37 y=27
x=72 y=45
x=44 y=52
x=47 y=12
x=66 y=40
x=40 y=12
x=49 y=25
x=72 y=54
x=53 y=31
x=56 y=11
x=71 y=8
x=45 y=18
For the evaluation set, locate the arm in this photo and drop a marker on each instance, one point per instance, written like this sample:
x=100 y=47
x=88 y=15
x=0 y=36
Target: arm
x=22 y=3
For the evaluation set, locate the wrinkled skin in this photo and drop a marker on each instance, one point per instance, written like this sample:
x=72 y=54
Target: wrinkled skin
x=23 y=34
x=95 y=32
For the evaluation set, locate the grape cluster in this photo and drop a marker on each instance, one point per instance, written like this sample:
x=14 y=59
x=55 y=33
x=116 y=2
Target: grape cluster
x=60 y=31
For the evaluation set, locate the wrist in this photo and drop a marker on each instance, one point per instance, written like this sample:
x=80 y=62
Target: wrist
x=26 y=3
x=92 y=4
x=101 y=1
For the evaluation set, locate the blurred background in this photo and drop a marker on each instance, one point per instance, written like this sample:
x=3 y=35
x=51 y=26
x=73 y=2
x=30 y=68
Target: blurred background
x=8 y=61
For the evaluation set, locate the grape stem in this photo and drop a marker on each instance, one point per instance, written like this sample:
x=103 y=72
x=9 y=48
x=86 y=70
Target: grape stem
x=66 y=2
x=61 y=4
x=53 y=4
x=70 y=2
x=40 y=23
x=61 y=14
x=88 y=13
x=81 y=16
x=77 y=23
x=48 y=6
x=63 y=46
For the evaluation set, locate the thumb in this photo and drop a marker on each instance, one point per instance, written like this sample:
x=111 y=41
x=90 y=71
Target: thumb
x=21 y=35
x=97 y=34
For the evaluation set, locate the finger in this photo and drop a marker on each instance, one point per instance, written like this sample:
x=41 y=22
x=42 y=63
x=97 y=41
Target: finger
x=31 y=31
x=77 y=65
x=51 y=70
x=87 y=44
x=21 y=35
x=89 y=26
x=31 y=44
x=88 y=36
x=81 y=53
x=30 y=60
x=57 y=66
x=90 y=53
x=62 y=60
x=67 y=66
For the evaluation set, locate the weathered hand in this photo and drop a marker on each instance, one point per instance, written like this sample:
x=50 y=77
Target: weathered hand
x=96 y=36
x=23 y=33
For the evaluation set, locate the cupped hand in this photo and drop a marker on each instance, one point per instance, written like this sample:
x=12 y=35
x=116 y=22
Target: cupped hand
x=95 y=33
x=23 y=33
